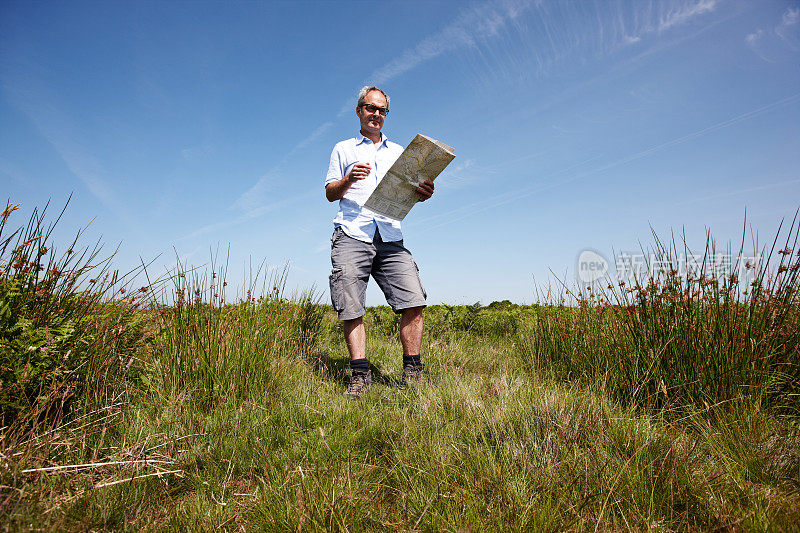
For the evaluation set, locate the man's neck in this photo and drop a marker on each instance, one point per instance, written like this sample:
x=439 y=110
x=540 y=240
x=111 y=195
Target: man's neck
x=374 y=137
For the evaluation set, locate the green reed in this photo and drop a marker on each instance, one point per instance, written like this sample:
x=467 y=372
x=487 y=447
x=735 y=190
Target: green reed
x=209 y=348
x=63 y=321
x=697 y=337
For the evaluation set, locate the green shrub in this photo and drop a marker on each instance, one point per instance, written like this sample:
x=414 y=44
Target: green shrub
x=474 y=319
x=383 y=321
x=56 y=337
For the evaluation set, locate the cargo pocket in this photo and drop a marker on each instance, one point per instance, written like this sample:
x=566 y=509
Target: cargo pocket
x=419 y=279
x=337 y=289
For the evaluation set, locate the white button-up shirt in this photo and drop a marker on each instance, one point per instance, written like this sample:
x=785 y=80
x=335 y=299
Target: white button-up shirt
x=356 y=220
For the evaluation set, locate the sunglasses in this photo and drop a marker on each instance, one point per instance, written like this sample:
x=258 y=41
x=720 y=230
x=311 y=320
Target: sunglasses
x=383 y=111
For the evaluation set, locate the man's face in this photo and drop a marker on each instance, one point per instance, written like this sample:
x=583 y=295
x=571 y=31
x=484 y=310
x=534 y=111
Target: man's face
x=372 y=122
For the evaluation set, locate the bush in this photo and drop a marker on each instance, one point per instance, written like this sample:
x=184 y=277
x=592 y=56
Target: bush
x=383 y=321
x=490 y=321
x=52 y=322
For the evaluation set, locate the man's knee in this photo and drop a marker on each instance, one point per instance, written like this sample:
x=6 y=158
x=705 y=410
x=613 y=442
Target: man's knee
x=352 y=323
x=412 y=313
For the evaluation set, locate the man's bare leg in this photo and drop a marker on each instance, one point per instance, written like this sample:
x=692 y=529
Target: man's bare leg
x=359 y=366
x=355 y=337
x=411 y=324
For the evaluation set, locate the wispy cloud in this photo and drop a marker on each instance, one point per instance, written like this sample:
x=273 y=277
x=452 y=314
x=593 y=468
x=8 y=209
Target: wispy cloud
x=548 y=38
x=788 y=21
x=791 y=17
x=461 y=174
x=322 y=128
x=765 y=44
x=10 y=170
x=753 y=38
x=548 y=182
x=255 y=212
x=197 y=153
x=261 y=193
x=25 y=90
x=647 y=18
x=322 y=246
x=472 y=26
x=754 y=43
x=481 y=21
x=86 y=167
x=681 y=14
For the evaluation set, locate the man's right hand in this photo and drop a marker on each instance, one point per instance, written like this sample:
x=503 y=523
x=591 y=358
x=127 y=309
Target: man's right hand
x=336 y=190
x=358 y=172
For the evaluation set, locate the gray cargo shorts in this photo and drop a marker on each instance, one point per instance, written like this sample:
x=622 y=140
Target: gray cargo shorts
x=390 y=263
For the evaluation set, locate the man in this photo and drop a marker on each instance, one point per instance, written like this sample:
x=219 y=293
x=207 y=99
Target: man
x=365 y=243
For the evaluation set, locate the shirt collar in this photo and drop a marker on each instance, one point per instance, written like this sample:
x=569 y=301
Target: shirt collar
x=362 y=139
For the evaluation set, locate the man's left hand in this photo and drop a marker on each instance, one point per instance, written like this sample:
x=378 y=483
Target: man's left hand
x=425 y=190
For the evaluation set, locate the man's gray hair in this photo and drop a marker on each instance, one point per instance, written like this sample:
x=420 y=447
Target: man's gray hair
x=362 y=94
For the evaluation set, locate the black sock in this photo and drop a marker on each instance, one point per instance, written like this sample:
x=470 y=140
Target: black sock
x=359 y=366
x=412 y=360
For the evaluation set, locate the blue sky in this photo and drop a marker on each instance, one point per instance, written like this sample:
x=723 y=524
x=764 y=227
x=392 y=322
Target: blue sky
x=188 y=126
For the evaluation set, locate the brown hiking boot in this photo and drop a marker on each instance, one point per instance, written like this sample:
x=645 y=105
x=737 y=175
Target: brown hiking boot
x=415 y=373
x=359 y=384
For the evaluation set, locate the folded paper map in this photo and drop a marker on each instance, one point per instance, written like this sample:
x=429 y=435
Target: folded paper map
x=423 y=159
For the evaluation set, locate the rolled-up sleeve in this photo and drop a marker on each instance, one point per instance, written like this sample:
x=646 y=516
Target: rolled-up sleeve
x=335 y=168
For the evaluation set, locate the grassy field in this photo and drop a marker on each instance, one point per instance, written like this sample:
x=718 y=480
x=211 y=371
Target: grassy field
x=669 y=405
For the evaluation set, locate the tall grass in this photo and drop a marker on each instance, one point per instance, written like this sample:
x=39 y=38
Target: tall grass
x=62 y=331
x=678 y=338
x=212 y=350
x=68 y=336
